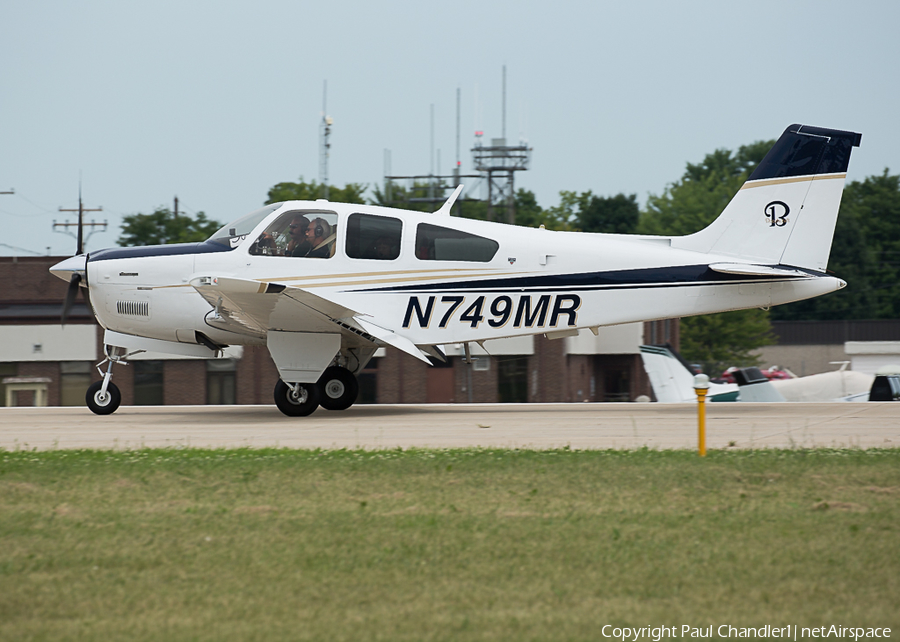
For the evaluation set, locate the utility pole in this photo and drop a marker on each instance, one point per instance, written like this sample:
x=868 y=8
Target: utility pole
x=80 y=224
x=176 y=208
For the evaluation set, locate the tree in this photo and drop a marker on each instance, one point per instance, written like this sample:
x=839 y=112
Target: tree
x=587 y=212
x=865 y=253
x=687 y=206
x=704 y=190
x=717 y=341
x=617 y=214
x=310 y=191
x=163 y=227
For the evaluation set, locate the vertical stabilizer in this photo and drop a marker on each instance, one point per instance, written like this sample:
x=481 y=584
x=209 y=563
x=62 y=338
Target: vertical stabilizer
x=786 y=212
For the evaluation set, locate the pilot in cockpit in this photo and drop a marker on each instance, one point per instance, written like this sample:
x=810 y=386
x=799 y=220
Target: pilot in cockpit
x=298 y=245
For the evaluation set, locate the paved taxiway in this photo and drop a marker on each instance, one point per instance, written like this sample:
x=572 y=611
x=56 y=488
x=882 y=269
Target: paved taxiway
x=582 y=426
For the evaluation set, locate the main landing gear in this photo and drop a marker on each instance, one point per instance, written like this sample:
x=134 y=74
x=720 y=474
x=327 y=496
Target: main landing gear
x=336 y=389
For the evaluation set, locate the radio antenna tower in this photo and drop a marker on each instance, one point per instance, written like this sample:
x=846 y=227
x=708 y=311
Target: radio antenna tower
x=498 y=164
x=325 y=144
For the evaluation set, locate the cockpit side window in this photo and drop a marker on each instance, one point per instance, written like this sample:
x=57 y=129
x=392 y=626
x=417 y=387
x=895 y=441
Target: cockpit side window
x=373 y=237
x=435 y=243
x=301 y=233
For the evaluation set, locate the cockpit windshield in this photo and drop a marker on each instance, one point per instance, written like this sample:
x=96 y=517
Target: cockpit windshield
x=234 y=233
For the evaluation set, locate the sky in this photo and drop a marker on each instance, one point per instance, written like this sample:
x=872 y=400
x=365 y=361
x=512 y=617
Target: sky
x=217 y=101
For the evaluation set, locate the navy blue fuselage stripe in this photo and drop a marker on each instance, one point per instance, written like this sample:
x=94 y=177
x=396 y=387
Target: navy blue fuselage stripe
x=684 y=275
x=175 y=249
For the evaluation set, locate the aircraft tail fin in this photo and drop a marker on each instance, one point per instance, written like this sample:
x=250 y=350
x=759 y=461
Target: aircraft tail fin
x=786 y=212
x=672 y=379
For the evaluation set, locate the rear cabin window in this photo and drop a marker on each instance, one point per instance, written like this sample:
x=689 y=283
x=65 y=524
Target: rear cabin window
x=373 y=237
x=435 y=243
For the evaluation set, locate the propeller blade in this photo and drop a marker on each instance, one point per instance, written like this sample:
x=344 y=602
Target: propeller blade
x=80 y=245
x=71 y=293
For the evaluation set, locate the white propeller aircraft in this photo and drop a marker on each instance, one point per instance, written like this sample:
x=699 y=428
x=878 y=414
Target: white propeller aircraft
x=323 y=285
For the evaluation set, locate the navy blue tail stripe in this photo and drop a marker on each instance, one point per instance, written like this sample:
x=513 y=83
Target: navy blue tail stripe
x=803 y=150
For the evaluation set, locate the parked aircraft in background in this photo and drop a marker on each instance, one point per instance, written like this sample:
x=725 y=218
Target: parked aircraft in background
x=672 y=380
x=839 y=385
x=362 y=277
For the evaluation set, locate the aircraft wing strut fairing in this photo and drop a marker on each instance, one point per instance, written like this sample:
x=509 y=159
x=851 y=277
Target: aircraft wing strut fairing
x=323 y=285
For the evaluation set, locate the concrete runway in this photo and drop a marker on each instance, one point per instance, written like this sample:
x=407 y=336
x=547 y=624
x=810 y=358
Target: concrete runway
x=579 y=426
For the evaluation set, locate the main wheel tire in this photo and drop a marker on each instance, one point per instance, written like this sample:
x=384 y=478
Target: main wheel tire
x=103 y=404
x=338 y=387
x=299 y=405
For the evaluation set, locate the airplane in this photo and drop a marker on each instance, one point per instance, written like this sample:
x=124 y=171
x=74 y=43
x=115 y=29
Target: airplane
x=374 y=276
x=672 y=380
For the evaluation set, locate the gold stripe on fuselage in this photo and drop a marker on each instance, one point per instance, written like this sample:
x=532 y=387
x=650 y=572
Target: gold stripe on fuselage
x=399 y=277
x=353 y=279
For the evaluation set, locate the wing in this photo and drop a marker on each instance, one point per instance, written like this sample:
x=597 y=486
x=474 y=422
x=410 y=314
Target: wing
x=254 y=307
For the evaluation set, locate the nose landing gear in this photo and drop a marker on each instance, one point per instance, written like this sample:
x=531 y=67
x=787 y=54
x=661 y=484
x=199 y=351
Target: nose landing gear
x=103 y=397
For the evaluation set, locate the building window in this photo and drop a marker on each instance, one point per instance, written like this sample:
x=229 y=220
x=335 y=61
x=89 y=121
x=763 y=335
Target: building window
x=221 y=383
x=512 y=379
x=368 y=387
x=74 y=380
x=148 y=383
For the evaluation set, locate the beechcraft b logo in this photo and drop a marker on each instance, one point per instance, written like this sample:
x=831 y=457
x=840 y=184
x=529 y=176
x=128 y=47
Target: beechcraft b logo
x=776 y=213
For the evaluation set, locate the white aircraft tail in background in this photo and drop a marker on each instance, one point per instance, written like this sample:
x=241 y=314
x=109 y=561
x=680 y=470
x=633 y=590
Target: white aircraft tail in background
x=672 y=378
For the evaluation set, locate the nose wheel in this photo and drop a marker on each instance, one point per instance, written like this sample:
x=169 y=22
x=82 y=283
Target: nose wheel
x=298 y=399
x=103 y=397
x=339 y=388
x=103 y=402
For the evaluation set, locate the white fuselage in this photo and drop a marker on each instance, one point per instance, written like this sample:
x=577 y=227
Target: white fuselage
x=539 y=281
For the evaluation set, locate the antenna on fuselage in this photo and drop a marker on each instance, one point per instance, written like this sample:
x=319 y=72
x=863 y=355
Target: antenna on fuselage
x=446 y=207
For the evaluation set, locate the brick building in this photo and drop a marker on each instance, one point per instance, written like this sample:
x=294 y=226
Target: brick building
x=40 y=360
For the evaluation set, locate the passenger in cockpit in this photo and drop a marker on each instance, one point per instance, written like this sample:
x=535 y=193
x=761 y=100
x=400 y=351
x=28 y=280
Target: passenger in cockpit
x=320 y=237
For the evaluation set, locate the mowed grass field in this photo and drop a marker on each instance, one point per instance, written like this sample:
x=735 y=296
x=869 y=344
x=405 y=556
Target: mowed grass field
x=442 y=545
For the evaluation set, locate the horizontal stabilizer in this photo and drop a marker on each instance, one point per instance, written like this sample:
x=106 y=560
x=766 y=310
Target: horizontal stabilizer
x=757 y=270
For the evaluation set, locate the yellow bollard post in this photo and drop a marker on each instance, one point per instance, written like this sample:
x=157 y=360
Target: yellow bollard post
x=701 y=387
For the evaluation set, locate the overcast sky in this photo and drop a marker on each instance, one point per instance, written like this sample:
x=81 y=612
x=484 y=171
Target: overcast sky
x=216 y=101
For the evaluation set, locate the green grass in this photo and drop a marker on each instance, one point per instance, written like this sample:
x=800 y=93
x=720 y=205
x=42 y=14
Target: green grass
x=442 y=545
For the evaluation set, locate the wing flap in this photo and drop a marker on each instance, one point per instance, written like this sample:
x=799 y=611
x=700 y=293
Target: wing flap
x=392 y=338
